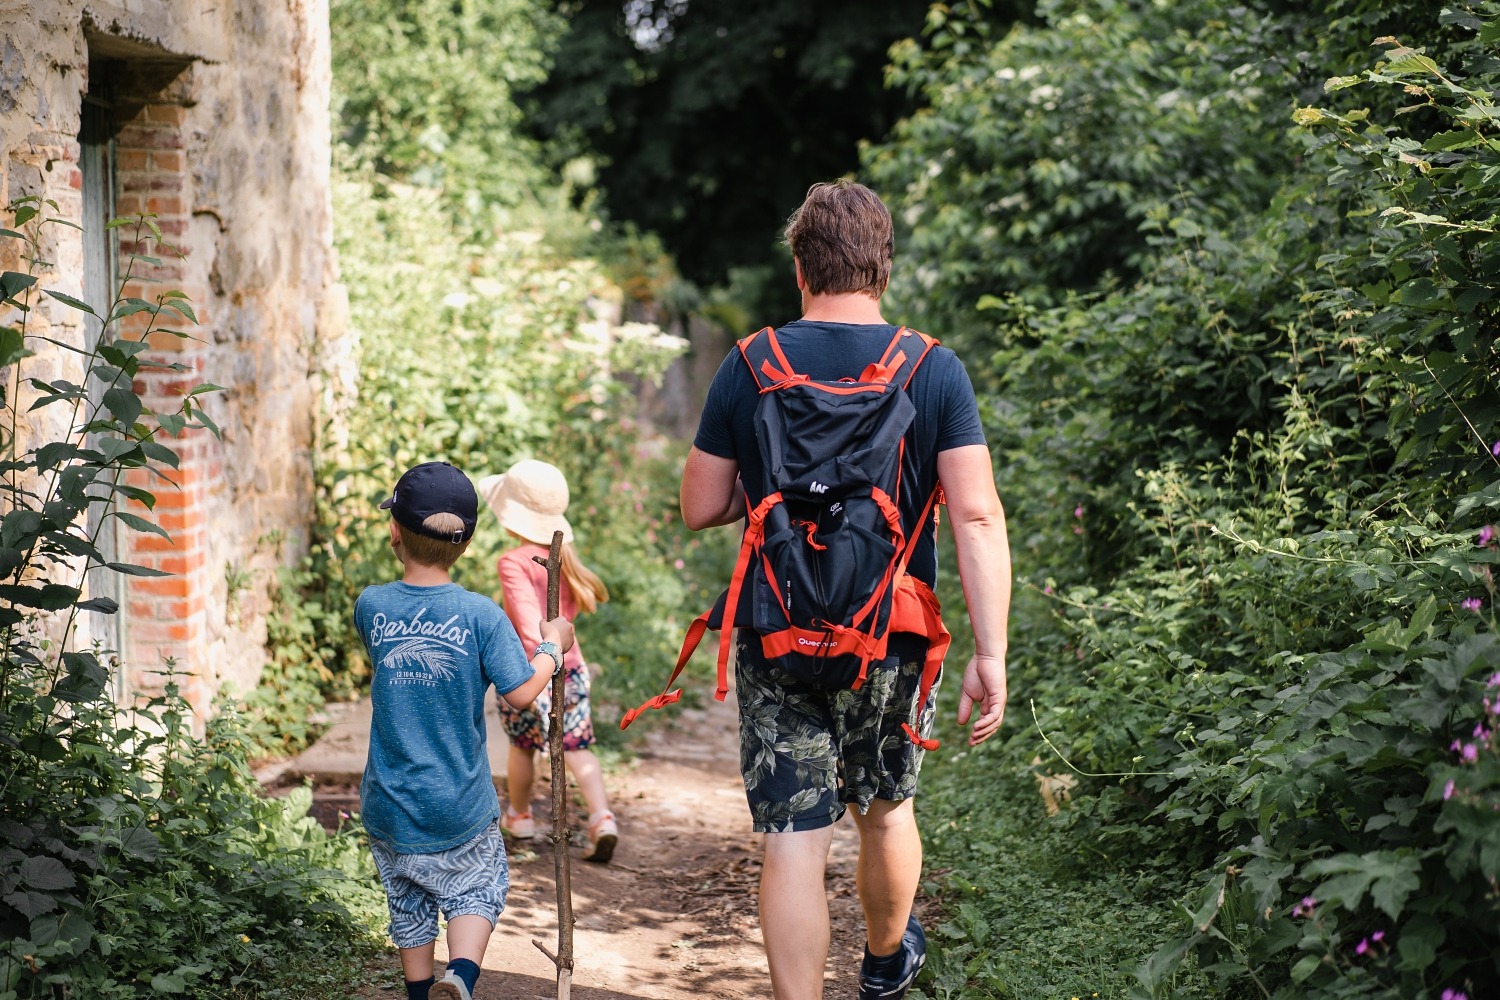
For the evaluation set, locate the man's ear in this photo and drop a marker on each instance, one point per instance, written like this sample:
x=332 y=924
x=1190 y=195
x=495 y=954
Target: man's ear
x=801 y=281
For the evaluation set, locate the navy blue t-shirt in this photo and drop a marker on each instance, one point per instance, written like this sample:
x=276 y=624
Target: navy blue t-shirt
x=947 y=412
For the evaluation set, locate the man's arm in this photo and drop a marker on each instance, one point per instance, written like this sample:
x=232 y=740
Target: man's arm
x=711 y=493
x=978 y=522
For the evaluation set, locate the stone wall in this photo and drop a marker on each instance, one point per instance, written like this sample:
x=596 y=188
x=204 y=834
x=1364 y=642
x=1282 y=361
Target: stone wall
x=220 y=122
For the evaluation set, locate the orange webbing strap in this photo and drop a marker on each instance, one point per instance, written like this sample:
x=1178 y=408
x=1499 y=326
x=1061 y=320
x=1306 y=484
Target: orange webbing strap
x=938 y=640
x=668 y=696
x=767 y=367
x=700 y=624
x=889 y=364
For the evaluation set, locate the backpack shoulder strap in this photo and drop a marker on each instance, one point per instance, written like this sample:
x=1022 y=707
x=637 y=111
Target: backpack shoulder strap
x=762 y=353
x=898 y=365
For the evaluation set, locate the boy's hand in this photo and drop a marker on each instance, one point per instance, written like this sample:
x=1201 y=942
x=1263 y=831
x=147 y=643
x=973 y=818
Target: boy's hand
x=558 y=630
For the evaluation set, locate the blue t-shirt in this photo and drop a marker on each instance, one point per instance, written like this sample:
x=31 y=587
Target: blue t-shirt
x=436 y=651
x=947 y=413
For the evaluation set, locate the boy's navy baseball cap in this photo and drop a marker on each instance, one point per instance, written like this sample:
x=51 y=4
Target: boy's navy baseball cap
x=434 y=488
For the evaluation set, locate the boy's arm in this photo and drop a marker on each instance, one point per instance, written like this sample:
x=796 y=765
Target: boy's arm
x=560 y=631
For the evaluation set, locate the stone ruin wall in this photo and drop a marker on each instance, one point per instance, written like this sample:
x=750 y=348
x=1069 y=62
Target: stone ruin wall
x=221 y=112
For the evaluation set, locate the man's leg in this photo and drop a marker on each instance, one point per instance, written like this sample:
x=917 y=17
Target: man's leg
x=794 y=912
x=890 y=865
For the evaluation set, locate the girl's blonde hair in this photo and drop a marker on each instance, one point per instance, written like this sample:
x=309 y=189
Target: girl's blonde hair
x=588 y=590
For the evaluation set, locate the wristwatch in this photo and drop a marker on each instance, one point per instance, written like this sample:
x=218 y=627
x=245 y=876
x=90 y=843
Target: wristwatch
x=552 y=650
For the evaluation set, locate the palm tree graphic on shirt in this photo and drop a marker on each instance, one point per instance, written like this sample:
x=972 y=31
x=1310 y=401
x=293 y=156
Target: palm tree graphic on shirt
x=433 y=657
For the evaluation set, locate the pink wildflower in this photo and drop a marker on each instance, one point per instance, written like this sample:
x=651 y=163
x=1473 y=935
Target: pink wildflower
x=1047 y=589
x=1362 y=947
x=1470 y=753
x=1304 y=908
x=1078 y=511
x=1486 y=534
x=1494 y=450
x=1455 y=995
x=1494 y=681
x=679 y=564
x=1377 y=936
x=1471 y=604
x=1448 y=790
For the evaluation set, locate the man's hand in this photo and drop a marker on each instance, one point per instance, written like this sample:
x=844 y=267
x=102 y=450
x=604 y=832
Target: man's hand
x=558 y=630
x=984 y=685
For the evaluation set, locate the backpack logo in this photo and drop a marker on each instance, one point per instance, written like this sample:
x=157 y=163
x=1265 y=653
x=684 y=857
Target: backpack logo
x=818 y=487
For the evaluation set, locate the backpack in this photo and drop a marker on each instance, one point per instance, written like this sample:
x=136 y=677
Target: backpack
x=821 y=574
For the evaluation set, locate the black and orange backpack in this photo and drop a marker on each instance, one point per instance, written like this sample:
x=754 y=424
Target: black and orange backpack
x=821 y=575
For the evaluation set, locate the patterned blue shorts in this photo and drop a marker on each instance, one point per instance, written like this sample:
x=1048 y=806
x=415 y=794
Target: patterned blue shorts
x=472 y=878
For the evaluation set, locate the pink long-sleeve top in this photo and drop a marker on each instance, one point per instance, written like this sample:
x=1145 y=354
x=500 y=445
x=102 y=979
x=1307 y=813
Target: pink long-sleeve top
x=524 y=582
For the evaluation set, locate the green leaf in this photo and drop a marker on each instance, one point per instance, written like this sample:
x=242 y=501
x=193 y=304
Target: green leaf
x=131 y=569
x=50 y=456
x=46 y=597
x=207 y=421
x=13 y=283
x=182 y=307
x=141 y=843
x=199 y=390
x=159 y=452
x=1420 y=939
x=141 y=524
x=168 y=982
x=46 y=874
x=69 y=300
x=25 y=214
x=103 y=605
x=124 y=404
x=32 y=904
x=12 y=346
x=1306 y=966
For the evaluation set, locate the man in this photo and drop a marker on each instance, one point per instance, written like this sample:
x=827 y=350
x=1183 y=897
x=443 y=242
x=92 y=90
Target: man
x=806 y=752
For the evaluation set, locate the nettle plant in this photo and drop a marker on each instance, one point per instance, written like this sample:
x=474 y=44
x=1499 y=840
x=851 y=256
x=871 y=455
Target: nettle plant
x=137 y=858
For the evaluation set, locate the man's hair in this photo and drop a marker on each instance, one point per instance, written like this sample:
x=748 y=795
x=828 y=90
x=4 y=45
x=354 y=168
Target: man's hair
x=842 y=237
x=438 y=552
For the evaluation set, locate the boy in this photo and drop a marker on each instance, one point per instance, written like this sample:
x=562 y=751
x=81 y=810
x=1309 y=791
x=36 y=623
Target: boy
x=428 y=802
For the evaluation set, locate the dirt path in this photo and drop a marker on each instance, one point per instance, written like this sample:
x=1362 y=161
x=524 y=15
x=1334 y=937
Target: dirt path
x=673 y=916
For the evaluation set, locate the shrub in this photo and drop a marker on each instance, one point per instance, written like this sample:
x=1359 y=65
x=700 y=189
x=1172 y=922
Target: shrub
x=138 y=859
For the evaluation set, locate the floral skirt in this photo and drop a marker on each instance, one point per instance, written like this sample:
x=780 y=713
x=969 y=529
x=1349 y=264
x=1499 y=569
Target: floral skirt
x=528 y=730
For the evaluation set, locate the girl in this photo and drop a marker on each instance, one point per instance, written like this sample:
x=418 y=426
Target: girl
x=529 y=501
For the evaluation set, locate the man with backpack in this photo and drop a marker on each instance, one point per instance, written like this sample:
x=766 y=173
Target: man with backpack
x=836 y=701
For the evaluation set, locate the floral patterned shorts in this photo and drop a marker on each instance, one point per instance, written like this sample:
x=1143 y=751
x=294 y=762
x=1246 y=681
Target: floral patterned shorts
x=807 y=751
x=528 y=730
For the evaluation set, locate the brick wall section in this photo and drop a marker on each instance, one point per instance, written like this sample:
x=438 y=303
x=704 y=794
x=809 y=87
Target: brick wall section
x=168 y=616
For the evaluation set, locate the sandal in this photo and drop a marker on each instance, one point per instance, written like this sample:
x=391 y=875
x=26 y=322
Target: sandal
x=517 y=826
x=603 y=836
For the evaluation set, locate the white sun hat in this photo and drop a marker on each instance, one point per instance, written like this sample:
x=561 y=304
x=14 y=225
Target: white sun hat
x=529 y=499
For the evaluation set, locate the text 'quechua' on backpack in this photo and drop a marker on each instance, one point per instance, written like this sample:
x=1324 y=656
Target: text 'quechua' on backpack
x=821 y=575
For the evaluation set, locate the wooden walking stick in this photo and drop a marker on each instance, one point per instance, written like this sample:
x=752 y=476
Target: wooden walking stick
x=561 y=861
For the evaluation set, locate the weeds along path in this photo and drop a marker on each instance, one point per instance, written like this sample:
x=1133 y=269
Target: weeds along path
x=673 y=916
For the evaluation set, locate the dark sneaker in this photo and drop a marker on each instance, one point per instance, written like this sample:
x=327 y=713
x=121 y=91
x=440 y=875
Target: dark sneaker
x=913 y=953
